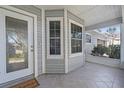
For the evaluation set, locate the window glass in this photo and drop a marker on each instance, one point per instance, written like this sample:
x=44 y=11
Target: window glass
x=52 y=33
x=17 y=44
x=55 y=38
x=57 y=25
x=57 y=33
x=52 y=25
x=57 y=42
x=76 y=38
x=88 y=38
x=52 y=50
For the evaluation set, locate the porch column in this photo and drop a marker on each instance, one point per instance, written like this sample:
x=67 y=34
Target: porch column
x=66 y=40
x=122 y=39
x=43 y=40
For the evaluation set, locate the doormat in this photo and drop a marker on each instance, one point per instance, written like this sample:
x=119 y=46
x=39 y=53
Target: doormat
x=32 y=83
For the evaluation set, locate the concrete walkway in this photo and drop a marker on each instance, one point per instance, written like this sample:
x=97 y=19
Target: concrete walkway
x=89 y=76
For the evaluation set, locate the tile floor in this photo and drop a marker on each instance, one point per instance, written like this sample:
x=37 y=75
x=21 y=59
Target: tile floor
x=89 y=76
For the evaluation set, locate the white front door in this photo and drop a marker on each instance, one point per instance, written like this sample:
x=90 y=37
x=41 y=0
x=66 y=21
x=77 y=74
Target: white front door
x=16 y=45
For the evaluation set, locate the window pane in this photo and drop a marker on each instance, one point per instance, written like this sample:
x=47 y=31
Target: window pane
x=76 y=45
x=57 y=25
x=57 y=42
x=52 y=43
x=57 y=33
x=79 y=35
x=72 y=42
x=55 y=37
x=80 y=29
x=80 y=42
x=76 y=34
x=76 y=38
x=73 y=45
x=52 y=50
x=52 y=33
x=52 y=25
x=80 y=49
x=72 y=34
x=72 y=27
x=79 y=46
x=75 y=28
x=17 y=44
x=57 y=50
x=73 y=50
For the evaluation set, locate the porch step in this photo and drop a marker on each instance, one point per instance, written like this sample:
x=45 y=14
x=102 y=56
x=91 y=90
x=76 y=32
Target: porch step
x=32 y=83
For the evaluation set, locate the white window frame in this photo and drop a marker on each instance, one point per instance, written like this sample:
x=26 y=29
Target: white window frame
x=61 y=37
x=70 y=53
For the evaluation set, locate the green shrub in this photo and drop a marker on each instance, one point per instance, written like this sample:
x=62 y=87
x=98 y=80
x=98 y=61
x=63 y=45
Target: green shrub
x=99 y=50
x=113 y=51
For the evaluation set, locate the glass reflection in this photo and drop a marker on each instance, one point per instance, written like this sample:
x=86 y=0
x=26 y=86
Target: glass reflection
x=17 y=44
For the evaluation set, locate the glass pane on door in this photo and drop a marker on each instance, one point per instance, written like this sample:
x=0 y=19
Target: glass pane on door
x=16 y=44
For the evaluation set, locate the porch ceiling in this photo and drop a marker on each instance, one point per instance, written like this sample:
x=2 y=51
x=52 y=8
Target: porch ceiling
x=92 y=14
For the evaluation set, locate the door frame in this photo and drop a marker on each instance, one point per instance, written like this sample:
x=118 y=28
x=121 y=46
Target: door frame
x=35 y=63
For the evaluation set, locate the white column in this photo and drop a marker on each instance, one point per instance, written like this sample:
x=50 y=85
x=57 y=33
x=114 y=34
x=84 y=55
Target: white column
x=35 y=47
x=43 y=40
x=66 y=40
x=84 y=45
x=122 y=39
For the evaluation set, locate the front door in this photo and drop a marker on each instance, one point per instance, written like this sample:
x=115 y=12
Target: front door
x=16 y=45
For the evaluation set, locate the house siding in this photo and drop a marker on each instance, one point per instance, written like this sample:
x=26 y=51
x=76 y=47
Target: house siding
x=54 y=13
x=54 y=65
x=37 y=12
x=77 y=61
x=75 y=18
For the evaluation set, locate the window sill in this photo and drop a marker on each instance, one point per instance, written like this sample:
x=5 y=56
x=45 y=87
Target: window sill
x=54 y=57
x=76 y=54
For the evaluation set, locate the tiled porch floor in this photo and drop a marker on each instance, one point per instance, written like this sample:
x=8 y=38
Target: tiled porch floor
x=89 y=76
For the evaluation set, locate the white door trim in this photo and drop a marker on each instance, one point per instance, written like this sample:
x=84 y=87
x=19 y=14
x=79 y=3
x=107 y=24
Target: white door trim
x=35 y=33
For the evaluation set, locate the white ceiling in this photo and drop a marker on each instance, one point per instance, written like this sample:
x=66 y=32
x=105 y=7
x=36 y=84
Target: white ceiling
x=90 y=13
